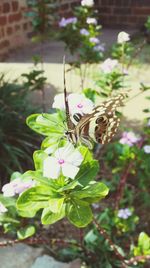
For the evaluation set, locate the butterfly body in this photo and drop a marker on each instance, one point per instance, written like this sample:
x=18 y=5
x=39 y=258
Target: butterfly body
x=98 y=126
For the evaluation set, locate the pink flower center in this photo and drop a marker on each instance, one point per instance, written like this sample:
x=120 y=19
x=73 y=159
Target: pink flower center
x=61 y=161
x=80 y=105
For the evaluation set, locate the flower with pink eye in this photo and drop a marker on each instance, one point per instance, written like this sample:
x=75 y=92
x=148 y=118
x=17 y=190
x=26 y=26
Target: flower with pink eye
x=78 y=103
x=66 y=160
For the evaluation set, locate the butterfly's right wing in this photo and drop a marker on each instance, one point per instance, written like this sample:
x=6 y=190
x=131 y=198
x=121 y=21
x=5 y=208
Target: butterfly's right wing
x=102 y=124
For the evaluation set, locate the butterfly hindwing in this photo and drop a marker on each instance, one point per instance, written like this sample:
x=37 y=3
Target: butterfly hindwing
x=102 y=124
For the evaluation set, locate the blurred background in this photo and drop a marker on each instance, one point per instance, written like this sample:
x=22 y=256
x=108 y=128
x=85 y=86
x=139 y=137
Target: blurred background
x=34 y=37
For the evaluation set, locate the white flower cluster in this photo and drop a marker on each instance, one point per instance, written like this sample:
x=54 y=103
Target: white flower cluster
x=108 y=65
x=88 y=3
x=123 y=37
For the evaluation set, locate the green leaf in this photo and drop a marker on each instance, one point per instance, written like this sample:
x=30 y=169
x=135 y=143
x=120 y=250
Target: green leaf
x=144 y=242
x=5 y=218
x=15 y=175
x=39 y=157
x=48 y=217
x=87 y=172
x=90 y=237
x=37 y=176
x=56 y=204
x=47 y=124
x=97 y=190
x=32 y=200
x=26 y=232
x=79 y=213
x=7 y=201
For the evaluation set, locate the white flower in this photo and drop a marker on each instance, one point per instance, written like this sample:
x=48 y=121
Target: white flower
x=124 y=213
x=91 y=21
x=3 y=209
x=66 y=159
x=146 y=149
x=88 y=3
x=123 y=37
x=59 y=102
x=108 y=65
x=78 y=103
x=17 y=186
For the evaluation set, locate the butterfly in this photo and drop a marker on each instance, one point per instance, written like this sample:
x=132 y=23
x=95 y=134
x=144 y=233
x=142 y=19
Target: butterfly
x=98 y=126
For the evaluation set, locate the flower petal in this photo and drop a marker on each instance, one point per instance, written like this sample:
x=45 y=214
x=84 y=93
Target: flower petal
x=59 y=102
x=51 y=168
x=64 y=152
x=8 y=190
x=75 y=158
x=69 y=170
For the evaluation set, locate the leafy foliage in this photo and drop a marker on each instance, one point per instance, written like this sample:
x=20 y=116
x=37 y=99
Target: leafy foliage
x=17 y=141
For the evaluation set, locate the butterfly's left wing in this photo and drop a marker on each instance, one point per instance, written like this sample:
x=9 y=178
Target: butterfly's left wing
x=102 y=124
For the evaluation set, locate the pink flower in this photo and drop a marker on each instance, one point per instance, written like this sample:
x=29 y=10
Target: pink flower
x=129 y=138
x=64 y=22
x=17 y=186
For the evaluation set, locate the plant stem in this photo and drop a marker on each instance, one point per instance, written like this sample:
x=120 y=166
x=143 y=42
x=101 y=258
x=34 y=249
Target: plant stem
x=111 y=244
x=138 y=259
x=121 y=185
x=38 y=241
x=138 y=51
x=124 y=178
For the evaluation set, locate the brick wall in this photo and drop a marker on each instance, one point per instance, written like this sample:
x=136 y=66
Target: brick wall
x=123 y=13
x=14 y=26
x=114 y=13
x=66 y=6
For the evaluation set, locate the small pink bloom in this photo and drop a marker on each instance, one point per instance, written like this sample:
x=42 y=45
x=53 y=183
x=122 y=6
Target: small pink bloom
x=129 y=138
x=17 y=186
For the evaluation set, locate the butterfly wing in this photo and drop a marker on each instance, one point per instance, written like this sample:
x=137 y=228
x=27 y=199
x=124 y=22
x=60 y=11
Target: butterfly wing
x=102 y=124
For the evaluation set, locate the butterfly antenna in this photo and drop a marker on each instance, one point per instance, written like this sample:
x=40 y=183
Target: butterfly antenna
x=69 y=123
